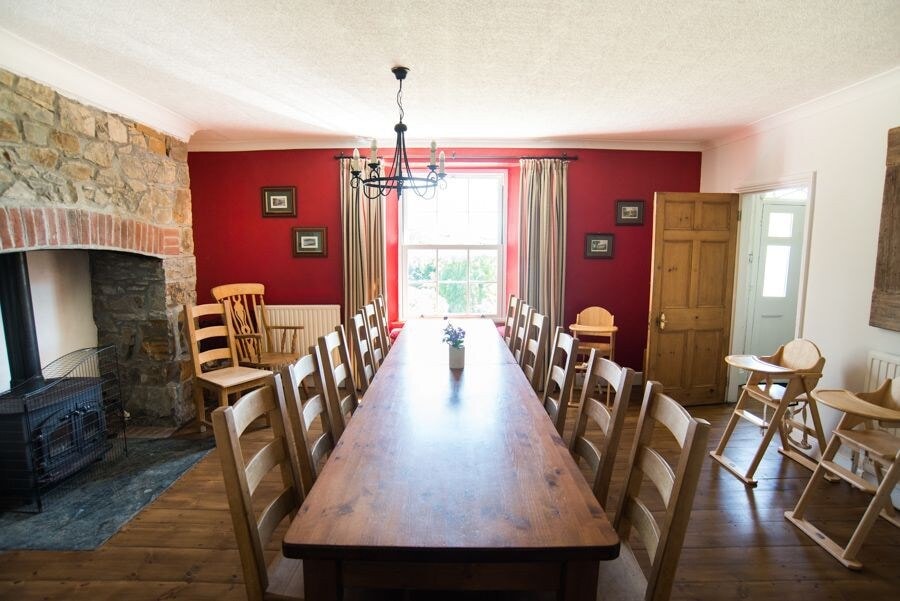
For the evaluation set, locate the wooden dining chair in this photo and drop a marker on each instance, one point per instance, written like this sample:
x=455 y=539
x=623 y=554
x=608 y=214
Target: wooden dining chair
x=506 y=329
x=376 y=342
x=558 y=387
x=600 y=457
x=246 y=481
x=215 y=357
x=512 y=323
x=337 y=378
x=623 y=578
x=520 y=330
x=381 y=314
x=362 y=351
x=857 y=432
x=534 y=349
x=304 y=400
x=258 y=343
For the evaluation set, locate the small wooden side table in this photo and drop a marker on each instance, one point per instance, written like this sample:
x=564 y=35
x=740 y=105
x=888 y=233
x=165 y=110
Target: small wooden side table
x=760 y=387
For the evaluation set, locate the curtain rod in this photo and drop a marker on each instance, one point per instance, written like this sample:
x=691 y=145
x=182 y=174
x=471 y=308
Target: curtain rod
x=453 y=157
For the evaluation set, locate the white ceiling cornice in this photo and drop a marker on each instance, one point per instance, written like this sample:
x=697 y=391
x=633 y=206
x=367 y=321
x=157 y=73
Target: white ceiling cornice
x=28 y=60
x=873 y=85
x=349 y=144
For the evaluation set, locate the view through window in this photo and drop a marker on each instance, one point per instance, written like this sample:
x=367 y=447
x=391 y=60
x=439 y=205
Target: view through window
x=452 y=260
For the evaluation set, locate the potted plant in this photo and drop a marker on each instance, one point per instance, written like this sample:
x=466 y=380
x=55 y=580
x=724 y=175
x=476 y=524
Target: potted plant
x=455 y=338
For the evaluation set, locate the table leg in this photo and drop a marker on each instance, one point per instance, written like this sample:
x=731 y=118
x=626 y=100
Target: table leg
x=579 y=581
x=322 y=580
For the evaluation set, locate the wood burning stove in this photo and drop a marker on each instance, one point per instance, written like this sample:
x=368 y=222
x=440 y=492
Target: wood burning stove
x=55 y=424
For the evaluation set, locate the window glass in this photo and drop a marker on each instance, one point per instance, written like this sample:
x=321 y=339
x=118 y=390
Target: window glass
x=775 y=276
x=452 y=248
x=781 y=225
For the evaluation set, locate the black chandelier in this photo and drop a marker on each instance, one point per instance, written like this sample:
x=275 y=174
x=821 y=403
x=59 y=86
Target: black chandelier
x=400 y=176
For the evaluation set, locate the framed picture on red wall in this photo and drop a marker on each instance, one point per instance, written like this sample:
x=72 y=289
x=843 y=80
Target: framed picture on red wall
x=629 y=212
x=598 y=246
x=309 y=241
x=279 y=202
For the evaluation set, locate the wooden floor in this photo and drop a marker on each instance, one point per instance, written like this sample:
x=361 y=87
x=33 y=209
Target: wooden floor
x=738 y=545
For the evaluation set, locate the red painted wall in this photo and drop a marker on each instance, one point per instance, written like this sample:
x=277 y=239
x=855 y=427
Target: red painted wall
x=234 y=243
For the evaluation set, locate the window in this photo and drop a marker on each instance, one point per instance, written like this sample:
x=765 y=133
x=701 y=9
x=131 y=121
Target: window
x=452 y=254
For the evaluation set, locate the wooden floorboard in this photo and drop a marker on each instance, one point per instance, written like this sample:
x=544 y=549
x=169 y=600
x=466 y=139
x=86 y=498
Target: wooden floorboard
x=738 y=545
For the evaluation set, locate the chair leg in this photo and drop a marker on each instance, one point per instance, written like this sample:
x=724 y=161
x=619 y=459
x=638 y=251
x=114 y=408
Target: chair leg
x=881 y=498
x=200 y=407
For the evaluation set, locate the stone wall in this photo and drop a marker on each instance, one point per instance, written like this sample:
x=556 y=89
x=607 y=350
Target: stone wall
x=74 y=176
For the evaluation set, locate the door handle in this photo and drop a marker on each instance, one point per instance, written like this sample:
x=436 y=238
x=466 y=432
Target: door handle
x=661 y=321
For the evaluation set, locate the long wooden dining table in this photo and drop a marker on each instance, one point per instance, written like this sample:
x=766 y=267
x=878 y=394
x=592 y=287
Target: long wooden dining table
x=450 y=480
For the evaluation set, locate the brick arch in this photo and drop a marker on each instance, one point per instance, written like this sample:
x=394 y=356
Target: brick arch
x=24 y=228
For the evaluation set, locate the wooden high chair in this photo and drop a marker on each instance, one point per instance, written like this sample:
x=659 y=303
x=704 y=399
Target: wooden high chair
x=800 y=363
x=882 y=447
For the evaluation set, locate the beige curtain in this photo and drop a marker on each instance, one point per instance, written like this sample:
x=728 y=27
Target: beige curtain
x=362 y=226
x=543 y=194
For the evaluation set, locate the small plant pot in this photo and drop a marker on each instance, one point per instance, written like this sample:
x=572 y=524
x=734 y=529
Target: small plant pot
x=457 y=357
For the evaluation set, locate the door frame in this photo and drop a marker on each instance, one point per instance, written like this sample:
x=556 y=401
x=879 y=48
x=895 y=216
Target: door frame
x=743 y=268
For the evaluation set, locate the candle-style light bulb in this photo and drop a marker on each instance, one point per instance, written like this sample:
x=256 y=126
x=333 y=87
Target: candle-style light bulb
x=441 y=164
x=433 y=149
x=373 y=151
x=354 y=163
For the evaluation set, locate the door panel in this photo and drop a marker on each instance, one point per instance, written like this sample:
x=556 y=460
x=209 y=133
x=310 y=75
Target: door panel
x=694 y=242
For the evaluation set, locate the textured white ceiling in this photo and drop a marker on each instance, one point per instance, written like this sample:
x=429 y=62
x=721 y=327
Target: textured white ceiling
x=513 y=72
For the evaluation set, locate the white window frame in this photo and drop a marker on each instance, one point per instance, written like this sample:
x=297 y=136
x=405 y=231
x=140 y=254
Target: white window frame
x=503 y=176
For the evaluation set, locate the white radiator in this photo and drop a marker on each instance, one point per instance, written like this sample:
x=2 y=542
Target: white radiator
x=880 y=367
x=317 y=320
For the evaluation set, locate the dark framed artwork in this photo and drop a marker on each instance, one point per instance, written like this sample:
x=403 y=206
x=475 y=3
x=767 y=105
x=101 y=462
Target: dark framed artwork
x=629 y=212
x=279 y=202
x=599 y=246
x=309 y=241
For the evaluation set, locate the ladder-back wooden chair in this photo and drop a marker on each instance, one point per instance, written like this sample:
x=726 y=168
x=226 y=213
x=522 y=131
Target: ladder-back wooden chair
x=304 y=400
x=535 y=348
x=215 y=358
x=882 y=447
x=800 y=363
x=376 y=343
x=558 y=387
x=258 y=343
x=506 y=329
x=381 y=314
x=623 y=579
x=337 y=378
x=362 y=352
x=509 y=335
x=600 y=457
x=282 y=578
x=520 y=331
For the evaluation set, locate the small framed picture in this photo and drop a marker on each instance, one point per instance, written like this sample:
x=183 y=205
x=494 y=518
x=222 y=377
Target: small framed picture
x=629 y=212
x=309 y=241
x=598 y=246
x=279 y=202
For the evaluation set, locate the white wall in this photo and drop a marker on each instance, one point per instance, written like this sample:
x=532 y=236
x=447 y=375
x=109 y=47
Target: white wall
x=843 y=139
x=61 y=295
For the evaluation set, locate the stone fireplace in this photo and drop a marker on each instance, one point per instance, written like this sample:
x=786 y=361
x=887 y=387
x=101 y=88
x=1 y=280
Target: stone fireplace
x=73 y=176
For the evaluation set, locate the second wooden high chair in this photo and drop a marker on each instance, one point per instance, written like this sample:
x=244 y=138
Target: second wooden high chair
x=881 y=447
x=800 y=363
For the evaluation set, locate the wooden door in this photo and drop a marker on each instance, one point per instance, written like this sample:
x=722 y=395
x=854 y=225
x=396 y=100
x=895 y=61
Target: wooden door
x=694 y=242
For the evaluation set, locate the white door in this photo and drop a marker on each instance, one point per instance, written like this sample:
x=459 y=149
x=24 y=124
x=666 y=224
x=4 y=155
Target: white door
x=774 y=281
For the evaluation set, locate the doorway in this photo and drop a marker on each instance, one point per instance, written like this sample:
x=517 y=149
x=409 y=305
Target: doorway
x=771 y=270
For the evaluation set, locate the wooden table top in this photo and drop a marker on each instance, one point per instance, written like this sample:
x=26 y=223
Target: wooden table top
x=450 y=465
x=754 y=363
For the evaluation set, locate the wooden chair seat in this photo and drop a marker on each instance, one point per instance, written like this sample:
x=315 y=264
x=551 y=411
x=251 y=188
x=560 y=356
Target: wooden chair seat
x=622 y=579
x=272 y=361
x=234 y=378
x=874 y=442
